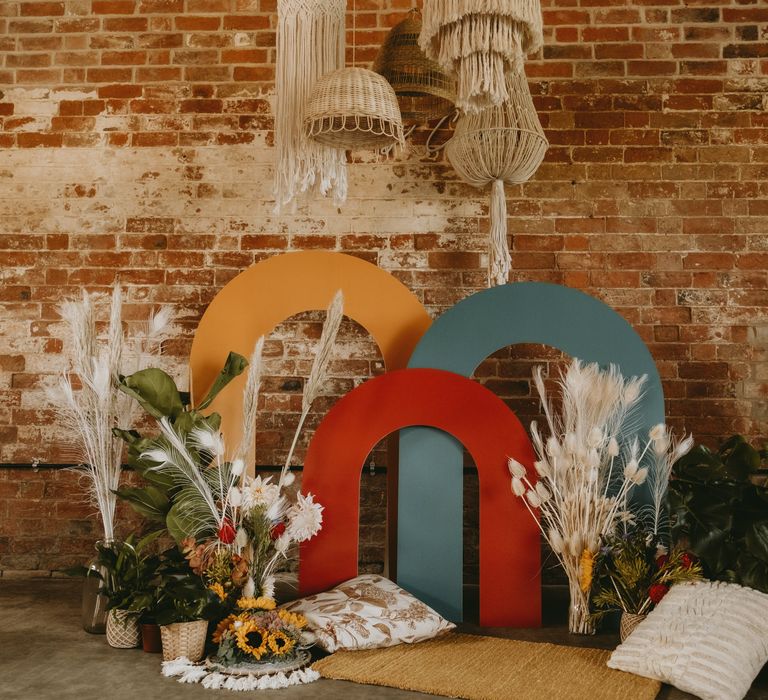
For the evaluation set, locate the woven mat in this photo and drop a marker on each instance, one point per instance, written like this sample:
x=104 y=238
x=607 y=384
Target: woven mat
x=487 y=668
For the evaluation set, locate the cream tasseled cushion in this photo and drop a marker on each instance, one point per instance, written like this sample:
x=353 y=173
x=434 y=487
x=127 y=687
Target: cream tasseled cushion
x=706 y=638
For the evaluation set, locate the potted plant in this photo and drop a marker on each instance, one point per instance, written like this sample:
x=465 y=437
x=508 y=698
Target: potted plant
x=721 y=512
x=130 y=570
x=635 y=571
x=184 y=604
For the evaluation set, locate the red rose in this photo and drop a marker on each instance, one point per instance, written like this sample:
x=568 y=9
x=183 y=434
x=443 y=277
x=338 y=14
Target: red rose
x=687 y=560
x=227 y=532
x=661 y=561
x=277 y=530
x=657 y=592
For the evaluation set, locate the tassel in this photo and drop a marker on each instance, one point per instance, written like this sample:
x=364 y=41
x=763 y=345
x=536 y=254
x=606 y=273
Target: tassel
x=499 y=259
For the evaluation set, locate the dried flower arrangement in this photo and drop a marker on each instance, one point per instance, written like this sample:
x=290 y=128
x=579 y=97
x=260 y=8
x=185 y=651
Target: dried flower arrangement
x=587 y=468
x=90 y=414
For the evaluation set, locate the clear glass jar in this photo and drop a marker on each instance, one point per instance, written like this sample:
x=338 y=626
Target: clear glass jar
x=94 y=604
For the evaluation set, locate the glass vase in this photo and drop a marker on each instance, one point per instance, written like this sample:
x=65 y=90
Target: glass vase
x=579 y=618
x=93 y=614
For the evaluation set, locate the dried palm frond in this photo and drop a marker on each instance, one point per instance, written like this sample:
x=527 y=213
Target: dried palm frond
x=251 y=398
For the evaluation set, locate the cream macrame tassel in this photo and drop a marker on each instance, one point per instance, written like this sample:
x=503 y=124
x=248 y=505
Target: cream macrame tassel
x=499 y=259
x=310 y=43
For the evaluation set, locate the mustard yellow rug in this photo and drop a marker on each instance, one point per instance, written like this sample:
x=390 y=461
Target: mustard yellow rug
x=487 y=668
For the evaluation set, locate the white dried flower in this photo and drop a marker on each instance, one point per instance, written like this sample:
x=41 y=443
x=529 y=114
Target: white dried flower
x=640 y=476
x=268 y=587
x=289 y=478
x=533 y=499
x=543 y=492
x=282 y=543
x=661 y=446
x=595 y=438
x=518 y=488
x=661 y=550
x=234 y=496
x=156 y=454
x=208 y=440
x=682 y=448
x=542 y=469
x=575 y=546
x=613 y=447
x=626 y=516
x=571 y=443
x=631 y=469
x=553 y=447
x=249 y=590
x=238 y=467
x=241 y=538
x=259 y=492
x=237 y=624
x=593 y=459
x=556 y=541
x=305 y=518
x=592 y=475
x=515 y=468
x=658 y=432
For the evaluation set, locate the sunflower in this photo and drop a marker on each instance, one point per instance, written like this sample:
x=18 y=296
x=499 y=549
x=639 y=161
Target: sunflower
x=218 y=589
x=222 y=627
x=292 y=619
x=260 y=603
x=280 y=643
x=251 y=639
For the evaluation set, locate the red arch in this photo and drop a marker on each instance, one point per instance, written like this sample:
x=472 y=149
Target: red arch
x=510 y=587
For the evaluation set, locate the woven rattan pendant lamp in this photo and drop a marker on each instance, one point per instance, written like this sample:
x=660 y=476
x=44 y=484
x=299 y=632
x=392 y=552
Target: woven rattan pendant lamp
x=424 y=90
x=504 y=144
x=354 y=108
x=480 y=41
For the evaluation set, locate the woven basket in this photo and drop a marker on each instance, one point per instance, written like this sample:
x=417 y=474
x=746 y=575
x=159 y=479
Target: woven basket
x=628 y=623
x=123 y=629
x=184 y=639
x=424 y=90
x=354 y=108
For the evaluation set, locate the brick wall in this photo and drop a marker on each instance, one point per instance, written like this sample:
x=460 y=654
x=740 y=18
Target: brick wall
x=136 y=142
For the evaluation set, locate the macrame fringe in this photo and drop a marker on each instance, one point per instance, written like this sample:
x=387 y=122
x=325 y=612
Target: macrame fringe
x=437 y=15
x=187 y=672
x=310 y=43
x=499 y=259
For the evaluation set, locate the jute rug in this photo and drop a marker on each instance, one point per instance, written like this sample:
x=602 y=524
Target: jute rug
x=486 y=668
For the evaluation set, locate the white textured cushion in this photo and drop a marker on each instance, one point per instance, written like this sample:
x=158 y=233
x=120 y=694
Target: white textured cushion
x=368 y=612
x=707 y=638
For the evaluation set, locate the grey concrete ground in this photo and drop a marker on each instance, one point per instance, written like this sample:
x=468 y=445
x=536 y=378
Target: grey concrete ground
x=45 y=654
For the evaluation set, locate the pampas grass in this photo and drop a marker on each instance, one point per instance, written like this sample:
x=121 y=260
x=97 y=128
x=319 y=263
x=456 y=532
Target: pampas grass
x=89 y=414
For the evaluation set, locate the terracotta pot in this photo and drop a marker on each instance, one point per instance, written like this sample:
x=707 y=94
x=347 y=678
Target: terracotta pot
x=150 y=638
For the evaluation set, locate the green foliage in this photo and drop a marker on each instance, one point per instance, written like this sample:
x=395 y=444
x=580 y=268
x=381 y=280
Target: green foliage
x=182 y=595
x=721 y=513
x=130 y=571
x=158 y=394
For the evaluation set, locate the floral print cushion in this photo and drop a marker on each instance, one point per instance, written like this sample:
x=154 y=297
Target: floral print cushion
x=368 y=612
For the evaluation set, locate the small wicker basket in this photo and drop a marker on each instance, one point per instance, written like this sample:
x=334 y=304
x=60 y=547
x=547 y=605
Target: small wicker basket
x=628 y=623
x=123 y=629
x=353 y=108
x=184 y=639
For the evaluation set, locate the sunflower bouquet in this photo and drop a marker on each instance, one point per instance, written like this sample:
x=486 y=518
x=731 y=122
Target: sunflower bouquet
x=258 y=633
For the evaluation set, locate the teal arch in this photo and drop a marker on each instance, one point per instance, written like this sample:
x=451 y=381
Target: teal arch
x=458 y=341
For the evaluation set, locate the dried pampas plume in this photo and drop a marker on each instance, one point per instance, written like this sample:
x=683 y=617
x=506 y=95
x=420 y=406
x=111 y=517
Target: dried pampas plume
x=317 y=374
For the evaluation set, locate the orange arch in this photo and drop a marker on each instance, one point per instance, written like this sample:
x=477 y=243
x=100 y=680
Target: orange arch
x=510 y=588
x=261 y=297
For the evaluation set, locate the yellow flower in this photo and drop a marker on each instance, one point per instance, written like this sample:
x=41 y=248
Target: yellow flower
x=280 y=643
x=260 y=603
x=293 y=619
x=586 y=564
x=252 y=639
x=218 y=589
x=222 y=627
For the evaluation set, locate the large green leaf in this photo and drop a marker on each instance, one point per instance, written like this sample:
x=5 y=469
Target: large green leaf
x=155 y=391
x=233 y=367
x=180 y=522
x=757 y=540
x=148 y=501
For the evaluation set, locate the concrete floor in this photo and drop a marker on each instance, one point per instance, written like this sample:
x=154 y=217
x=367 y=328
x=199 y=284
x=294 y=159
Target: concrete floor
x=45 y=654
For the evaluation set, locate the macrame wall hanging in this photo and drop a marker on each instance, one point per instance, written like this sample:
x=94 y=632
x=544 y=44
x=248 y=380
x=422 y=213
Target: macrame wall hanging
x=424 y=90
x=480 y=41
x=500 y=144
x=310 y=43
x=354 y=108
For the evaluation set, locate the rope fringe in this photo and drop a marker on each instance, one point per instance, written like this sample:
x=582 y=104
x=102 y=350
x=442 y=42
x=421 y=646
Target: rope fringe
x=188 y=672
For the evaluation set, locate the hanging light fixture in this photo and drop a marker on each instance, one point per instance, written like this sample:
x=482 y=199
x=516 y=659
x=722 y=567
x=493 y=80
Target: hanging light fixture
x=354 y=108
x=424 y=90
x=480 y=41
x=504 y=144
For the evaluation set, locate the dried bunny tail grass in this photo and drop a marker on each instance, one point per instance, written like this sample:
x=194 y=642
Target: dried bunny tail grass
x=317 y=374
x=251 y=398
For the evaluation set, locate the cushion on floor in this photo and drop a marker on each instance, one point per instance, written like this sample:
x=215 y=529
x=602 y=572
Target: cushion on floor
x=706 y=638
x=368 y=612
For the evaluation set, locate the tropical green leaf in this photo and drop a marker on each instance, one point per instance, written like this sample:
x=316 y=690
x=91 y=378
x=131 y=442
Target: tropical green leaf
x=233 y=367
x=757 y=540
x=149 y=501
x=155 y=391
